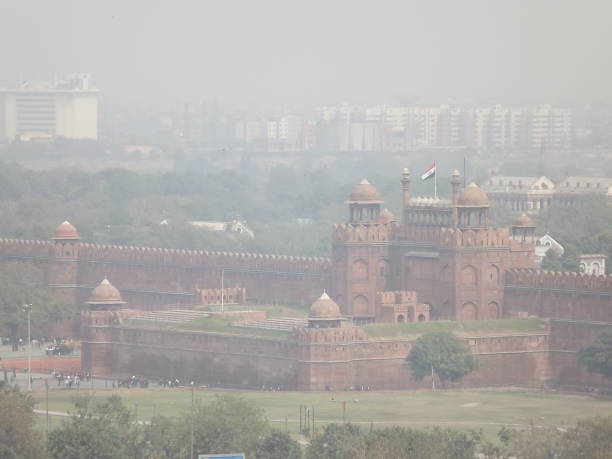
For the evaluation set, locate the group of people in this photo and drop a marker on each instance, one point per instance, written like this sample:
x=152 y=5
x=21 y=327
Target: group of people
x=71 y=380
x=134 y=381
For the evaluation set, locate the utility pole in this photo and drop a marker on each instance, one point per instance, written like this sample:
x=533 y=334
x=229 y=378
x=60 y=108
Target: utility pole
x=27 y=309
x=433 y=380
x=192 y=394
x=222 y=279
x=47 y=404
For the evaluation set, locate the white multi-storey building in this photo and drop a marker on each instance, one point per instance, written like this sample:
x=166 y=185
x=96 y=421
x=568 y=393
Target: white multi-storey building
x=66 y=108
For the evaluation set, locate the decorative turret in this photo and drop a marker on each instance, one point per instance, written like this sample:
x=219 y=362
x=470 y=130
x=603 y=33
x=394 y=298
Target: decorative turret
x=523 y=229
x=472 y=208
x=66 y=241
x=405 y=194
x=364 y=204
x=455 y=185
x=66 y=232
x=105 y=297
x=324 y=313
x=386 y=217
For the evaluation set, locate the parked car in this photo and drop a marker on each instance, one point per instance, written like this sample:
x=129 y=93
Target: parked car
x=59 y=349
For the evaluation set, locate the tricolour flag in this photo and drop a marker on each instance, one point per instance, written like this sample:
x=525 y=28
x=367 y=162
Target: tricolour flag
x=429 y=173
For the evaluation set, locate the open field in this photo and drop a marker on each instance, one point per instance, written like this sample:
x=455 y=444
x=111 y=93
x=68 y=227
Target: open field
x=464 y=328
x=483 y=409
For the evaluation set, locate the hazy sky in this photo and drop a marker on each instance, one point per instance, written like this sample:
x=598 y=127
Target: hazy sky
x=266 y=52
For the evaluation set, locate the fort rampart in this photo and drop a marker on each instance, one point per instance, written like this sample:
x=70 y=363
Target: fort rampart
x=557 y=295
x=157 y=276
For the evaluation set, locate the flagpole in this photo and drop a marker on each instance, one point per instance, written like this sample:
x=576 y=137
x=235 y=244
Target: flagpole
x=435 y=181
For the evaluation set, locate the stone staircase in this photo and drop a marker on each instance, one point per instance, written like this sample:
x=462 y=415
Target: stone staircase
x=173 y=315
x=282 y=323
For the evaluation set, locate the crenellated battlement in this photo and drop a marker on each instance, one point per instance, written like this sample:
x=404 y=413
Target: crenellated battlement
x=25 y=247
x=396 y=297
x=537 y=278
x=161 y=256
x=346 y=232
x=453 y=238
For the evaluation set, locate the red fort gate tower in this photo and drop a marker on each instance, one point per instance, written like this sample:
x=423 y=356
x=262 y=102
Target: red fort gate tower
x=444 y=250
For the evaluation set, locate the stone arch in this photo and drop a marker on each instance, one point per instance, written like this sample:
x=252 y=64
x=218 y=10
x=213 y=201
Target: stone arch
x=383 y=268
x=491 y=311
x=360 y=306
x=493 y=274
x=469 y=276
x=360 y=270
x=421 y=318
x=469 y=311
x=595 y=269
x=445 y=273
x=401 y=319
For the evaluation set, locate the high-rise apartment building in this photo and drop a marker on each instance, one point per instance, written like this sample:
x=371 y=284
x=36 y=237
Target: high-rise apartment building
x=62 y=108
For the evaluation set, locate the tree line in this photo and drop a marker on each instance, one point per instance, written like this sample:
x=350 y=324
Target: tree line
x=107 y=429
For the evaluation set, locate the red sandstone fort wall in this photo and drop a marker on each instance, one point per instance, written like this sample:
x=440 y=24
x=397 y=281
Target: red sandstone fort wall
x=559 y=295
x=335 y=360
x=566 y=370
x=158 y=276
x=208 y=358
x=381 y=364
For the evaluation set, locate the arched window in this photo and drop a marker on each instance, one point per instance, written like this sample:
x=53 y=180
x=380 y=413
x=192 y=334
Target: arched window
x=360 y=305
x=360 y=270
x=468 y=312
x=491 y=311
x=469 y=276
x=493 y=274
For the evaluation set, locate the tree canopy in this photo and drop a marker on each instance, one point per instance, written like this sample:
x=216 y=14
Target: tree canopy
x=22 y=284
x=597 y=356
x=18 y=436
x=442 y=354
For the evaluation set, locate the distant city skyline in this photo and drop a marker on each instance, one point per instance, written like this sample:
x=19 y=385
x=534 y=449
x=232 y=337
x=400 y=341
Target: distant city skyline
x=297 y=53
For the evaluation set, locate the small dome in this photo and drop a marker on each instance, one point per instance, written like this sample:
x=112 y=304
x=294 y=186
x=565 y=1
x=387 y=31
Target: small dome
x=386 y=217
x=364 y=191
x=473 y=196
x=524 y=221
x=105 y=293
x=66 y=231
x=324 y=308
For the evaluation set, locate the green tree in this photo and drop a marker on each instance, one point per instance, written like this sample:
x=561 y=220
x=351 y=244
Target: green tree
x=18 y=437
x=22 y=284
x=597 y=356
x=442 y=354
x=228 y=423
x=279 y=445
x=101 y=430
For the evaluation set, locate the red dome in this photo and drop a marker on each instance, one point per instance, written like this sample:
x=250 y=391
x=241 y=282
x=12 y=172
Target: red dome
x=386 y=217
x=364 y=191
x=324 y=308
x=105 y=293
x=473 y=196
x=524 y=221
x=66 y=231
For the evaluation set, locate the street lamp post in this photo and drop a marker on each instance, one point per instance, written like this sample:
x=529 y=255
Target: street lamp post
x=222 y=280
x=28 y=309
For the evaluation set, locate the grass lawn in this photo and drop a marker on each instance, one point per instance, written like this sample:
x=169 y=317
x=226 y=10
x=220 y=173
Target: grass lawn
x=272 y=310
x=465 y=328
x=208 y=324
x=473 y=409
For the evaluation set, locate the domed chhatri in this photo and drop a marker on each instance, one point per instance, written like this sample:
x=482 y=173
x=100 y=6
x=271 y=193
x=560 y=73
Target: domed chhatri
x=524 y=221
x=386 y=217
x=105 y=294
x=325 y=308
x=473 y=196
x=66 y=231
x=364 y=191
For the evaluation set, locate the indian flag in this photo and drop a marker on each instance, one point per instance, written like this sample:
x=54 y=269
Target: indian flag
x=429 y=173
